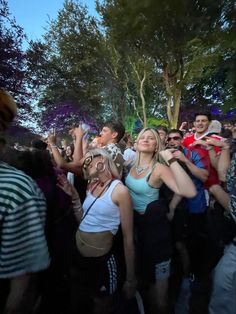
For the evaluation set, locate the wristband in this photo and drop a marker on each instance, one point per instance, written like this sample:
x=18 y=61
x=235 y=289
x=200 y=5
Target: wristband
x=53 y=146
x=75 y=200
x=171 y=160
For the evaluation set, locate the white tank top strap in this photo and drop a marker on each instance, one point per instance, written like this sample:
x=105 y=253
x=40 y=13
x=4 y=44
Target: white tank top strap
x=112 y=186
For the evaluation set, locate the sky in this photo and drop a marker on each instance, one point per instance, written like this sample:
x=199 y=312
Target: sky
x=33 y=15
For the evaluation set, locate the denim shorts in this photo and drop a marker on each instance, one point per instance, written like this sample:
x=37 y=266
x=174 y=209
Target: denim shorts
x=162 y=270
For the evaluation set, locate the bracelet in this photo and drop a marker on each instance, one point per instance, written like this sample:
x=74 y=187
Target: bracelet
x=171 y=160
x=53 y=146
x=76 y=204
x=75 y=200
x=77 y=210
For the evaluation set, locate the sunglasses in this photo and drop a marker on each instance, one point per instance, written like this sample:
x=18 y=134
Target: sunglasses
x=175 y=138
x=88 y=160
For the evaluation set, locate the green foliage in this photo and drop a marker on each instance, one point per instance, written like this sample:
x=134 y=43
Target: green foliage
x=152 y=122
x=148 y=60
x=13 y=75
x=67 y=64
x=181 y=36
x=130 y=124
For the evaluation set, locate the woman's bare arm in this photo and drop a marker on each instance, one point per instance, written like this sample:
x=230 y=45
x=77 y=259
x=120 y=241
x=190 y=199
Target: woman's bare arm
x=174 y=176
x=122 y=198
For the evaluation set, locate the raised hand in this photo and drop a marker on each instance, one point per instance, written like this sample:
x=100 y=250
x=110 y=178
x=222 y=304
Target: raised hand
x=179 y=155
x=52 y=139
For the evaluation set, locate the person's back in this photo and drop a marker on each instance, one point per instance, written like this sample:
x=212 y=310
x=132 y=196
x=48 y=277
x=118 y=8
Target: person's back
x=23 y=214
x=23 y=245
x=22 y=217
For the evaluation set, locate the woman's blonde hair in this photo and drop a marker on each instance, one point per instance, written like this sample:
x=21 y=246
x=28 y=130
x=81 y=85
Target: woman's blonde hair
x=159 y=147
x=109 y=163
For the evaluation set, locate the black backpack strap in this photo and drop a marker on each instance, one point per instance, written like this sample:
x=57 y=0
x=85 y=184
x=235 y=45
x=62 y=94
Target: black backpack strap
x=90 y=206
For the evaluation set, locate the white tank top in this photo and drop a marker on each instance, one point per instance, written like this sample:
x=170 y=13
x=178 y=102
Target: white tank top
x=104 y=215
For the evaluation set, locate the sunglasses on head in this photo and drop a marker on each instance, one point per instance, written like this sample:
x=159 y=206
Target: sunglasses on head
x=88 y=160
x=175 y=138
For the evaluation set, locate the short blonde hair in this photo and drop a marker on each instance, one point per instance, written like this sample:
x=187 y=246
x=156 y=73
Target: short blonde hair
x=159 y=146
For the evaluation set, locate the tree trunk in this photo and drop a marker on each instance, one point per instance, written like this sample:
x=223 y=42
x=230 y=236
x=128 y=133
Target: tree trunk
x=122 y=108
x=177 y=99
x=173 y=106
x=143 y=100
x=173 y=93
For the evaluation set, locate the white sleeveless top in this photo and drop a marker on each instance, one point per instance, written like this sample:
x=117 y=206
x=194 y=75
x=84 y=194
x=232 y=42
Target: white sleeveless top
x=104 y=215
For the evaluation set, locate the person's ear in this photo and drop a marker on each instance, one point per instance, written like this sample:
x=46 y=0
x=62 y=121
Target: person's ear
x=114 y=135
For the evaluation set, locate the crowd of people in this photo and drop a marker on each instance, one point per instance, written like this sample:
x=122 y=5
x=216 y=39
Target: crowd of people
x=119 y=224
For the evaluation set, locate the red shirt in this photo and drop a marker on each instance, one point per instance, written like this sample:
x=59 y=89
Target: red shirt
x=188 y=140
x=213 y=175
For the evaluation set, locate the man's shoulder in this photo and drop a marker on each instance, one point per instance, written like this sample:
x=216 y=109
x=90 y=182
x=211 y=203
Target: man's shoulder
x=116 y=155
x=188 y=139
x=129 y=153
x=14 y=181
x=12 y=174
x=113 y=150
x=217 y=137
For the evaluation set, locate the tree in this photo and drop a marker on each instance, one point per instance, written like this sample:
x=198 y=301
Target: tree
x=130 y=86
x=66 y=65
x=181 y=36
x=13 y=76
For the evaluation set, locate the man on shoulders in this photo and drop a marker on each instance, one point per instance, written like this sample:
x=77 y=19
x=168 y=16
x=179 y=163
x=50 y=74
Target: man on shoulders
x=201 y=123
x=198 y=141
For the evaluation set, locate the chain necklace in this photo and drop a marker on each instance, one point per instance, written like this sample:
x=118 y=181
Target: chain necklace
x=141 y=169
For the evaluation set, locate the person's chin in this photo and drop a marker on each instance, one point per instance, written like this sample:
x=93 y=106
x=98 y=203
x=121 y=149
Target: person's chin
x=147 y=150
x=201 y=131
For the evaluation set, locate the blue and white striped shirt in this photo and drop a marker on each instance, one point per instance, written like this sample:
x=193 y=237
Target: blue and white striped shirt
x=23 y=247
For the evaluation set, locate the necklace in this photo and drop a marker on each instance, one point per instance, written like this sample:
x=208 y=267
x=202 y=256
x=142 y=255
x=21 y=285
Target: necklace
x=99 y=183
x=141 y=169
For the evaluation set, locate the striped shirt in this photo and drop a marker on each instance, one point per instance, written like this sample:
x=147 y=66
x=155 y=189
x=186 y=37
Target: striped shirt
x=23 y=247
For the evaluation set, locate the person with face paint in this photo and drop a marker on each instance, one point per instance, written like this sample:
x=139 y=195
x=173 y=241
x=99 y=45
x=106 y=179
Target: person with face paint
x=106 y=206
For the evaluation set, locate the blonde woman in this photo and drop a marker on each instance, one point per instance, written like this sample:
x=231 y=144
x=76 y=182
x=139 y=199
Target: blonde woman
x=152 y=228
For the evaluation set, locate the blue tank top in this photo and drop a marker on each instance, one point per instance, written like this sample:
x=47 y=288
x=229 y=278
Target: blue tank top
x=141 y=192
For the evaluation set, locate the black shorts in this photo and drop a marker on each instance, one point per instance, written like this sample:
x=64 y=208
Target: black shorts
x=180 y=224
x=99 y=274
x=153 y=239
